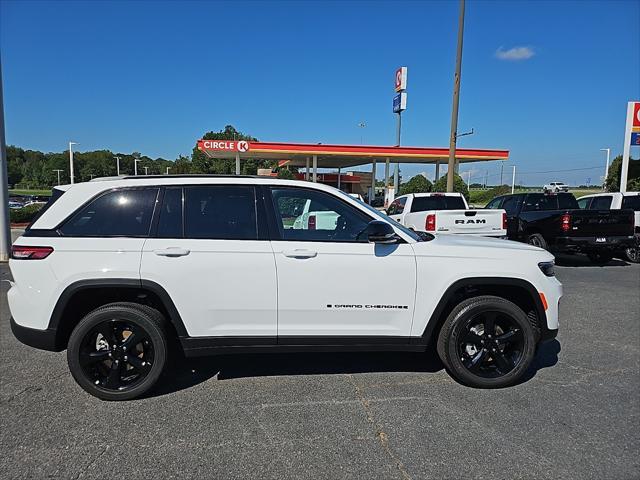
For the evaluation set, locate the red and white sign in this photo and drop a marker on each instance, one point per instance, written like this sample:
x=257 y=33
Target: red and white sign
x=401 y=79
x=636 y=115
x=225 y=145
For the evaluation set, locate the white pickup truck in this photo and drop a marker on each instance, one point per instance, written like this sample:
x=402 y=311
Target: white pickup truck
x=446 y=213
x=617 y=201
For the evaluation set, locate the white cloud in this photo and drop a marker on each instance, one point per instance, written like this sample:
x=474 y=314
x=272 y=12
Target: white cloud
x=515 y=53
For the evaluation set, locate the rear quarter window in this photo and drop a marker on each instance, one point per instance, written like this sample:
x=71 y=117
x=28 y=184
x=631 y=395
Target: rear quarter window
x=118 y=213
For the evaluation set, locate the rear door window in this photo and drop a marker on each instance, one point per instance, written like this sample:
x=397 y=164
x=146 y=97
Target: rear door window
x=220 y=212
x=601 y=203
x=397 y=206
x=170 y=216
x=118 y=213
x=512 y=204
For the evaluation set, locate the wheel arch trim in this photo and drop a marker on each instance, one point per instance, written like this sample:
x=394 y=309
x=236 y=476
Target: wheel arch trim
x=71 y=290
x=436 y=320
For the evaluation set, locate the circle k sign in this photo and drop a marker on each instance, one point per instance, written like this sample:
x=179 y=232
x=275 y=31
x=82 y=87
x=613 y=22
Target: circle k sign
x=227 y=145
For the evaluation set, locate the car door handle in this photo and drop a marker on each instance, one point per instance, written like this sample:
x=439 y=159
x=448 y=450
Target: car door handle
x=300 y=253
x=172 y=252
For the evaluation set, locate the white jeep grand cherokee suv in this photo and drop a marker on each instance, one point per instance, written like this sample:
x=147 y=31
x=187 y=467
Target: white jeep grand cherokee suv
x=118 y=270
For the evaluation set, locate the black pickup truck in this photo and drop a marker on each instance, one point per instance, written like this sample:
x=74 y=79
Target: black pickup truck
x=555 y=222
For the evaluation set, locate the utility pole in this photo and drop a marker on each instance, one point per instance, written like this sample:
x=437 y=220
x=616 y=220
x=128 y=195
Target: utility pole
x=456 y=101
x=468 y=179
x=71 y=144
x=501 y=169
x=58 y=171
x=606 y=168
x=513 y=180
x=5 y=230
x=117 y=165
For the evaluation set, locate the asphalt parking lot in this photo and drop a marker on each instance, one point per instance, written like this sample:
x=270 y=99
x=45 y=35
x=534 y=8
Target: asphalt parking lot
x=349 y=415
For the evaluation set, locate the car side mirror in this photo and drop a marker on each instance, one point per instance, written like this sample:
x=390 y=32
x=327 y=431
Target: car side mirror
x=380 y=232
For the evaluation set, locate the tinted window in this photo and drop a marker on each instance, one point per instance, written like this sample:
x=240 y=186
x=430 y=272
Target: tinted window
x=119 y=213
x=55 y=195
x=220 y=212
x=437 y=202
x=397 y=206
x=512 y=204
x=567 y=200
x=495 y=203
x=539 y=201
x=170 y=219
x=584 y=202
x=311 y=215
x=632 y=202
x=601 y=203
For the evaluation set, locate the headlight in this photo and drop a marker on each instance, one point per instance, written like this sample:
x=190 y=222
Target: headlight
x=548 y=268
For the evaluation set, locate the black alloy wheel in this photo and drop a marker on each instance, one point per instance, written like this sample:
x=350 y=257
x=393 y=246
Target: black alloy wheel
x=633 y=254
x=118 y=351
x=487 y=342
x=491 y=345
x=116 y=355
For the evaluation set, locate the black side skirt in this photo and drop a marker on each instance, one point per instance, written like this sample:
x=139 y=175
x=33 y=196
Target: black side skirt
x=203 y=346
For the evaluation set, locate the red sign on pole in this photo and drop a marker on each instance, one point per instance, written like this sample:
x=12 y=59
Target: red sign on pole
x=401 y=79
x=636 y=114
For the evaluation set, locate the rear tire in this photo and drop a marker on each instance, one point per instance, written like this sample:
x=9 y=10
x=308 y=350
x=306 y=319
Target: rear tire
x=118 y=351
x=537 y=240
x=632 y=254
x=487 y=342
x=600 y=258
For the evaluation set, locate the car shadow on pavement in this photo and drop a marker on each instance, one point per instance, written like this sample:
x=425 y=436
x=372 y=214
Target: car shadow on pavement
x=546 y=356
x=564 y=260
x=188 y=372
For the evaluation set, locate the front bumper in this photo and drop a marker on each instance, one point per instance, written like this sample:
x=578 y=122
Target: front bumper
x=42 y=339
x=591 y=244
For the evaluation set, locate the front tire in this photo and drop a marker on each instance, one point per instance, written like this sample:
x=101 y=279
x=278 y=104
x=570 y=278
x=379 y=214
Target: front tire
x=487 y=342
x=118 y=351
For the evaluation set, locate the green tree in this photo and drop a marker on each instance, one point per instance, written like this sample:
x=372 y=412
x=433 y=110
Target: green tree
x=417 y=184
x=286 y=174
x=458 y=185
x=203 y=164
x=612 y=182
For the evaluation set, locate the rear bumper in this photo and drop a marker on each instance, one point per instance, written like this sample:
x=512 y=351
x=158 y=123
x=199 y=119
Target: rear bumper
x=590 y=244
x=42 y=339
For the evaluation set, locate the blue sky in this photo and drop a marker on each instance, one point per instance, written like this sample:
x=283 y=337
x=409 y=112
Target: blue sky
x=547 y=80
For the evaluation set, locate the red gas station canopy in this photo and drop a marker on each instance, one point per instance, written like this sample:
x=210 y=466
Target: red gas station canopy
x=341 y=156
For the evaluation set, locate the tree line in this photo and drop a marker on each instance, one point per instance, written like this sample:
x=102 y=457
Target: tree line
x=34 y=169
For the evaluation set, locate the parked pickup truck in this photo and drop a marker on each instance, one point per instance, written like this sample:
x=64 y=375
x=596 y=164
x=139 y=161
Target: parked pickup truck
x=555 y=222
x=446 y=213
x=618 y=201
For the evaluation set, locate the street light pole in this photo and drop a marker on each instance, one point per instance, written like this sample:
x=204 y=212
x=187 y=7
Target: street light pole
x=168 y=168
x=71 y=160
x=135 y=166
x=58 y=175
x=606 y=168
x=456 y=101
x=117 y=165
x=146 y=170
x=513 y=180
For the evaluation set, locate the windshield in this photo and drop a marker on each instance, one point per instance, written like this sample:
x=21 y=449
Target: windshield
x=410 y=233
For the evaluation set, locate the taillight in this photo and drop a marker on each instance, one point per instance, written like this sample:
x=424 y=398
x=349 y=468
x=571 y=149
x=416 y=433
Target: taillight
x=312 y=222
x=430 y=224
x=566 y=222
x=20 y=252
x=504 y=220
